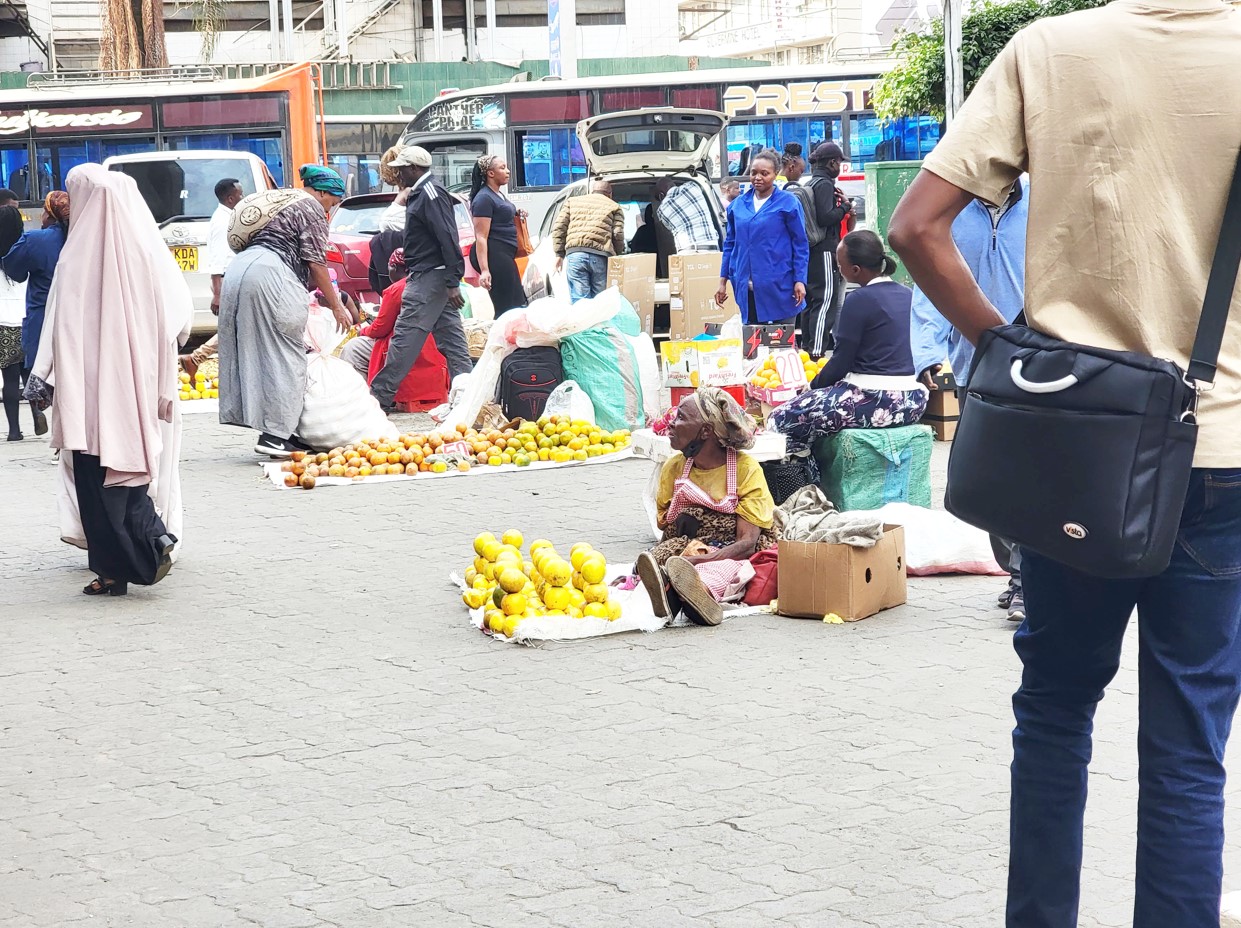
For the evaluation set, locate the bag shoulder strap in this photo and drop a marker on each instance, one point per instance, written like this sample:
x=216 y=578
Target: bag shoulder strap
x=1220 y=287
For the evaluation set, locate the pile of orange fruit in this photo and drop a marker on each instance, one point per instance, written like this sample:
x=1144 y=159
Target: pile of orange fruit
x=512 y=587
x=408 y=454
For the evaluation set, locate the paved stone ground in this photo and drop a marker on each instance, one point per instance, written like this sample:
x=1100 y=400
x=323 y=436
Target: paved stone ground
x=299 y=728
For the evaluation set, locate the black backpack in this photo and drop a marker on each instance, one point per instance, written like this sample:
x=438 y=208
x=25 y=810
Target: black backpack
x=804 y=192
x=527 y=378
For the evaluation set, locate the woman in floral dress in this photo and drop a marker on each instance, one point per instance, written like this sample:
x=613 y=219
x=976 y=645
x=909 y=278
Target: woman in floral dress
x=870 y=382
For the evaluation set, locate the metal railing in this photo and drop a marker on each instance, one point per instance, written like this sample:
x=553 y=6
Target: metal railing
x=180 y=73
x=337 y=75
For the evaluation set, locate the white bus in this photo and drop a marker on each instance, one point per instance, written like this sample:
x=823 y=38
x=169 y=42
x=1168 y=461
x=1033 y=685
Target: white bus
x=532 y=123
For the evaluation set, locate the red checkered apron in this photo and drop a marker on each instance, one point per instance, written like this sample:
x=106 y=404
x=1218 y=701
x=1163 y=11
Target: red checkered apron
x=686 y=493
x=717 y=576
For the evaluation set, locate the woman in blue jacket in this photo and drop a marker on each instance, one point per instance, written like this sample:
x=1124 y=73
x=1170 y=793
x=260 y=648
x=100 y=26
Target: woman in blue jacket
x=766 y=253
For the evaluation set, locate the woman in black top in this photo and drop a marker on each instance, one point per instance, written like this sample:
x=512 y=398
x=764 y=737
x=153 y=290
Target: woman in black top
x=494 y=254
x=870 y=382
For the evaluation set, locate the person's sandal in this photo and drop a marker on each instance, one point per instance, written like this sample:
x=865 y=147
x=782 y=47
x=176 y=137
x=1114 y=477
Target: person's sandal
x=699 y=604
x=188 y=365
x=99 y=586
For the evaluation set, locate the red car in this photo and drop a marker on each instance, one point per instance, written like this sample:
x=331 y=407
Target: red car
x=356 y=221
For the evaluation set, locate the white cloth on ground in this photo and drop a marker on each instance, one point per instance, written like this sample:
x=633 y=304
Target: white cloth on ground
x=809 y=516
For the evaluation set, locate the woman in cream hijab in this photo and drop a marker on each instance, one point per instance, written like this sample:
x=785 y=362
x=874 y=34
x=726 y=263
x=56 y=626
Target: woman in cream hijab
x=117 y=311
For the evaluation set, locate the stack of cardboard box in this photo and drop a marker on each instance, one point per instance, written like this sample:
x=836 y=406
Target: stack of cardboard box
x=635 y=276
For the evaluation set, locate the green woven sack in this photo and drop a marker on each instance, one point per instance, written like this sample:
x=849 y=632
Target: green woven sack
x=868 y=468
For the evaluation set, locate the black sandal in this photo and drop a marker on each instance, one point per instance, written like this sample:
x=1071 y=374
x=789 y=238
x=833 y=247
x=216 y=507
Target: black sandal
x=99 y=586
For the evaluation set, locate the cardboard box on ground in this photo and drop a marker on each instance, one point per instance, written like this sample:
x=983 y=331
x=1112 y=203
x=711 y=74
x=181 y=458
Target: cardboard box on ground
x=943 y=411
x=634 y=274
x=817 y=579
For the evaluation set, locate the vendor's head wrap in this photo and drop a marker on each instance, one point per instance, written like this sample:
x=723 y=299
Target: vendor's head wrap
x=732 y=425
x=325 y=180
x=57 y=205
x=396 y=259
x=254 y=212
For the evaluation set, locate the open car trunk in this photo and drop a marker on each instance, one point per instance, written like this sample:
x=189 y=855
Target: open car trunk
x=662 y=140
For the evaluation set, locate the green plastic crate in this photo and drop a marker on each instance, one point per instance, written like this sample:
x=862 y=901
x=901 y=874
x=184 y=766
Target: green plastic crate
x=868 y=468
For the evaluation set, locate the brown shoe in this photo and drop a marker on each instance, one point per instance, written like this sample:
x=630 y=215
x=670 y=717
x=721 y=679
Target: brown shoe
x=188 y=365
x=700 y=605
x=656 y=587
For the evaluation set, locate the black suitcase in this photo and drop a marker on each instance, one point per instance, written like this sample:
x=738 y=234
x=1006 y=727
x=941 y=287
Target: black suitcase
x=527 y=378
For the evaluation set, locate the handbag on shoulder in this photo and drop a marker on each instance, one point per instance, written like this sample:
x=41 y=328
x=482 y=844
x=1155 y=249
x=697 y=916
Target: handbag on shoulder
x=524 y=248
x=1082 y=454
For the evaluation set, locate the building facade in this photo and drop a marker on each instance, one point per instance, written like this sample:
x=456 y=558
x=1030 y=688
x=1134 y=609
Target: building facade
x=798 y=32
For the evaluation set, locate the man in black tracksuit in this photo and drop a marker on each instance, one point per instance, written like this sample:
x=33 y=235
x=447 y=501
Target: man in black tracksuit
x=432 y=301
x=826 y=287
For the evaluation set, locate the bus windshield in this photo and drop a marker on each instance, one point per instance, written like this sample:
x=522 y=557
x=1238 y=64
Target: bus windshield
x=452 y=161
x=185 y=187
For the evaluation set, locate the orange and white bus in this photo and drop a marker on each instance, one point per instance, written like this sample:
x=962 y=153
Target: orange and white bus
x=53 y=125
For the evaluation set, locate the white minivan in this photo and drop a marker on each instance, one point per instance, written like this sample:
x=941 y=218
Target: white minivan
x=179 y=188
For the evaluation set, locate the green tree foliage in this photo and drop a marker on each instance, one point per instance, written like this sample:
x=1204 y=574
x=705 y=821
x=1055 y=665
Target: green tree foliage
x=916 y=85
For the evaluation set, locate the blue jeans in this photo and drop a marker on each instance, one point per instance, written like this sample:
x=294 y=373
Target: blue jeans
x=587 y=273
x=1189 y=672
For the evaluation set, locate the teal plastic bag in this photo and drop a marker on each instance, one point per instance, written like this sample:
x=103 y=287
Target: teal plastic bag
x=604 y=363
x=869 y=468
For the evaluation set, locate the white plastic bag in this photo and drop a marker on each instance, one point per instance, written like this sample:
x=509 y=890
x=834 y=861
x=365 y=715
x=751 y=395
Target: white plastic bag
x=648 y=376
x=481 y=307
x=339 y=408
x=570 y=400
x=937 y=542
x=323 y=332
x=732 y=328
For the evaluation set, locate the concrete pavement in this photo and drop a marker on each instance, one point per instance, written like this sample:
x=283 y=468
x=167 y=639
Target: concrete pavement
x=300 y=728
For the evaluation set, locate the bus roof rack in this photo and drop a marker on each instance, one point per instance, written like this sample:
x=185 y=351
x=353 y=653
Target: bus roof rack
x=60 y=79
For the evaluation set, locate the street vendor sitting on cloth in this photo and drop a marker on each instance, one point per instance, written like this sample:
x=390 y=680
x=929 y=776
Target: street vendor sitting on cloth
x=714 y=508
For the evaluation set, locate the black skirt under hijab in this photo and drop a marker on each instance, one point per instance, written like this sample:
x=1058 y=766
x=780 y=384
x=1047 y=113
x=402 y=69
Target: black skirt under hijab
x=122 y=527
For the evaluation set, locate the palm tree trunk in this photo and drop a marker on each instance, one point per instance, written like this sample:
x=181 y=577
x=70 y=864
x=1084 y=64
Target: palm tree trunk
x=132 y=36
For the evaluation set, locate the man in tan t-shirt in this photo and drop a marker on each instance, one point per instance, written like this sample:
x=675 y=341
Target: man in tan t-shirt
x=1128 y=118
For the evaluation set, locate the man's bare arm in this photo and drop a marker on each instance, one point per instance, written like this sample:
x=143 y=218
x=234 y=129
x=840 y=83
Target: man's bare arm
x=921 y=233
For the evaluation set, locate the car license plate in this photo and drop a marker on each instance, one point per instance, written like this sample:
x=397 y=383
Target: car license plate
x=186 y=256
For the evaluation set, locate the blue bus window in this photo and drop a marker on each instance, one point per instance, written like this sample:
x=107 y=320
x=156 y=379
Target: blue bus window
x=749 y=138
x=265 y=145
x=908 y=138
x=14 y=171
x=548 y=158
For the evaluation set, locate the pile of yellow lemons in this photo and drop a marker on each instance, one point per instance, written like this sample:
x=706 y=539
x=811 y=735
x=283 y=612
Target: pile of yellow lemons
x=201 y=387
x=512 y=588
x=768 y=377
